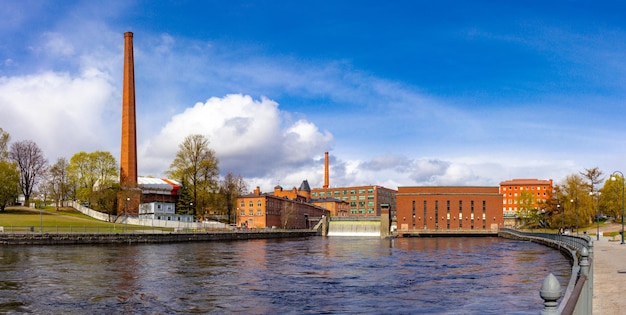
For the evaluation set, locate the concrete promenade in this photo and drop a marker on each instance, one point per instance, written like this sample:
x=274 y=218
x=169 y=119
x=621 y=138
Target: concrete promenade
x=609 y=291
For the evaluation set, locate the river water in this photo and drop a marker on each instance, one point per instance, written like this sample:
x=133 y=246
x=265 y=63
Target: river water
x=293 y=276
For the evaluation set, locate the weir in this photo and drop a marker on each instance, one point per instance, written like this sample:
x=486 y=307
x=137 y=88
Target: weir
x=354 y=226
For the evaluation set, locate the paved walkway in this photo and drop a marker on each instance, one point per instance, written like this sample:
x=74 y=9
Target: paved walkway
x=609 y=292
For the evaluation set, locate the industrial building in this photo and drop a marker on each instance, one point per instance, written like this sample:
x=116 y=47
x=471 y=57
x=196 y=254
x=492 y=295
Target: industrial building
x=449 y=208
x=279 y=209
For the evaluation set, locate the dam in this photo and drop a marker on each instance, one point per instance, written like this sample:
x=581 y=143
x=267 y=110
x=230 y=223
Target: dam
x=354 y=226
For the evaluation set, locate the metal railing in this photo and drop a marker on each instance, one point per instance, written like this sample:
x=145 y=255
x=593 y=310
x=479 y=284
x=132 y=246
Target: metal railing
x=578 y=297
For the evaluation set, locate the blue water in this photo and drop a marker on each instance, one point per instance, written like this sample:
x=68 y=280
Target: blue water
x=296 y=276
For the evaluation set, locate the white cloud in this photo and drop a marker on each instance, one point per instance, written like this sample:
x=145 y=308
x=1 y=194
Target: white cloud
x=250 y=137
x=63 y=114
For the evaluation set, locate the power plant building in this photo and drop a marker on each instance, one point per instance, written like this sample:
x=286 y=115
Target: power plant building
x=441 y=208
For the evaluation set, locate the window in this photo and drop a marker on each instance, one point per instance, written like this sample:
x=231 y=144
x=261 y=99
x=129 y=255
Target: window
x=251 y=212
x=243 y=212
x=251 y=204
x=243 y=203
x=361 y=197
x=370 y=190
x=258 y=203
x=259 y=212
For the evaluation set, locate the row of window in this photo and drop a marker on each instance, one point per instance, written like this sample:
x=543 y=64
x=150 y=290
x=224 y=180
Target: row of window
x=351 y=192
x=527 y=188
x=361 y=211
x=538 y=194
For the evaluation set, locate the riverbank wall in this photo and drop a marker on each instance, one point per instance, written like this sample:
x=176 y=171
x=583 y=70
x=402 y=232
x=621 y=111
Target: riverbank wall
x=141 y=238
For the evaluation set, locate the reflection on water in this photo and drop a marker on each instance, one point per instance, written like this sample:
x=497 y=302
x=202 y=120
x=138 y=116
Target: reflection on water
x=297 y=276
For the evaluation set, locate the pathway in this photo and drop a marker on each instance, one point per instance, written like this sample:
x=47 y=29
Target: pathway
x=609 y=292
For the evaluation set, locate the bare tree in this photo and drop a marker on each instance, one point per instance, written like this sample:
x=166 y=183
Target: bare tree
x=231 y=188
x=195 y=165
x=594 y=175
x=58 y=181
x=31 y=163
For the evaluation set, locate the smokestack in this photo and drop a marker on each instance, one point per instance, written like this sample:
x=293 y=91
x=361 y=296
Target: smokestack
x=325 y=169
x=128 y=156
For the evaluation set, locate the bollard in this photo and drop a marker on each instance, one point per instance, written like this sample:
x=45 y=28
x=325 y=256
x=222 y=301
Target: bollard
x=550 y=293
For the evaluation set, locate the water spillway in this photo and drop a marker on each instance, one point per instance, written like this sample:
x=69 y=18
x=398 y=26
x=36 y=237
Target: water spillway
x=354 y=228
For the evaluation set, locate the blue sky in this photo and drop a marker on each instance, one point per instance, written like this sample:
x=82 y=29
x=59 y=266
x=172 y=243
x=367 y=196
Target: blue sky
x=400 y=93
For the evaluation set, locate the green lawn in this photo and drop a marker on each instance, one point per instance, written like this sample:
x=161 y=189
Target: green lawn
x=48 y=220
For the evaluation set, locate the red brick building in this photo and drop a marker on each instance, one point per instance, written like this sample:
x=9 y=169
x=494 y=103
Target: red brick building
x=363 y=200
x=449 y=208
x=511 y=190
x=282 y=209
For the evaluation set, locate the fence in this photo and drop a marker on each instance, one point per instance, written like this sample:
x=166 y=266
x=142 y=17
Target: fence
x=578 y=297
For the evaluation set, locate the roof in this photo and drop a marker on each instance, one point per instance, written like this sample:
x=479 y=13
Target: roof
x=159 y=186
x=305 y=186
x=526 y=181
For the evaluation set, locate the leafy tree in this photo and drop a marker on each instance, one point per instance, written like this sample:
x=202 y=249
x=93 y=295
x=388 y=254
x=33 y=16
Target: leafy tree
x=9 y=183
x=85 y=170
x=31 y=163
x=527 y=209
x=105 y=199
x=196 y=167
x=576 y=202
x=58 y=181
x=611 y=201
x=231 y=187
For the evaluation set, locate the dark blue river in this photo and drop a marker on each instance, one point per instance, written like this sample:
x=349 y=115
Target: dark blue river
x=295 y=276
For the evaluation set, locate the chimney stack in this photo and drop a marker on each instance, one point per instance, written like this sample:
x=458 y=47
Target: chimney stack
x=128 y=156
x=326 y=169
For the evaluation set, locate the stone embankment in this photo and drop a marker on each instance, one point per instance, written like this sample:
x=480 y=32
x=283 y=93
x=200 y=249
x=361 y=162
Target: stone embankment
x=140 y=238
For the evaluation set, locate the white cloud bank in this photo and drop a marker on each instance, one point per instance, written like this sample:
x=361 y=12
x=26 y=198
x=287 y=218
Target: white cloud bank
x=252 y=138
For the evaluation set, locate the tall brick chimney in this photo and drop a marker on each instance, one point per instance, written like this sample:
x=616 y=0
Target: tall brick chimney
x=129 y=197
x=128 y=156
x=325 y=169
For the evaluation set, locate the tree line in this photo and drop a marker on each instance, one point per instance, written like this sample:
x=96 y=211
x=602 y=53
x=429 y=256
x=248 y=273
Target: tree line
x=580 y=200
x=93 y=178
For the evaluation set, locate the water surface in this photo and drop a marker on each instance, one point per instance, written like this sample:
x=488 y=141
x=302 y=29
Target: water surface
x=296 y=276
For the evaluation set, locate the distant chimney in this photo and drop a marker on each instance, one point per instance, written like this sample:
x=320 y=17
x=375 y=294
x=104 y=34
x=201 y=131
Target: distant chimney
x=325 y=169
x=257 y=191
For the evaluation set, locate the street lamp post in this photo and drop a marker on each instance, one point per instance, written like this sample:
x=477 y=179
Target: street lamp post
x=41 y=215
x=574 y=202
x=558 y=207
x=614 y=178
x=593 y=193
